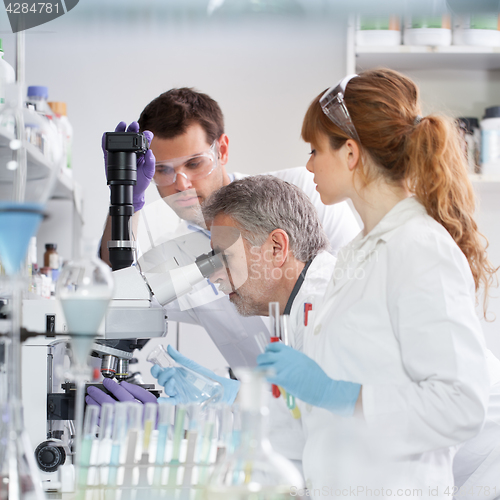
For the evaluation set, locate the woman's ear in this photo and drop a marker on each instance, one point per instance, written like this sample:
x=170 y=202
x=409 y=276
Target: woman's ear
x=353 y=154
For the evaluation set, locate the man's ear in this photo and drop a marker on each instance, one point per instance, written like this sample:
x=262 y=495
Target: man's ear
x=223 y=149
x=280 y=246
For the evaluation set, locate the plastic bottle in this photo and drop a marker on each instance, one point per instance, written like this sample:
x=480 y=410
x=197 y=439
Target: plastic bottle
x=59 y=108
x=7 y=75
x=490 y=141
x=52 y=261
x=435 y=30
x=471 y=135
x=477 y=29
x=31 y=263
x=37 y=97
x=383 y=30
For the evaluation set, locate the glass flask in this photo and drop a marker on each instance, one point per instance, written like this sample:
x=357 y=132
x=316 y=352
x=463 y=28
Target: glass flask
x=84 y=288
x=253 y=471
x=26 y=183
x=192 y=387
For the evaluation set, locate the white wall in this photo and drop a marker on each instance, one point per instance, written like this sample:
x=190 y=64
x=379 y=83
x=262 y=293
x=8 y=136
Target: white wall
x=263 y=74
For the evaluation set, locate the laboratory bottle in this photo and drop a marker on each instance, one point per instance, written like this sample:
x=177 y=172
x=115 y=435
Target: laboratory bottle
x=433 y=30
x=7 y=75
x=380 y=30
x=471 y=136
x=253 y=470
x=51 y=257
x=66 y=130
x=480 y=29
x=53 y=140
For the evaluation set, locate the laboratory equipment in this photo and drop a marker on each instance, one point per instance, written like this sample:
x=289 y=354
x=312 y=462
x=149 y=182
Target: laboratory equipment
x=253 y=470
x=131 y=320
x=7 y=75
x=84 y=289
x=155 y=449
x=190 y=385
x=65 y=129
x=24 y=189
x=428 y=30
x=378 y=30
x=280 y=332
x=481 y=29
x=122 y=148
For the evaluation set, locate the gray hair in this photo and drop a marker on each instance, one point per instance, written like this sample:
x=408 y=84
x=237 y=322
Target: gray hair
x=262 y=203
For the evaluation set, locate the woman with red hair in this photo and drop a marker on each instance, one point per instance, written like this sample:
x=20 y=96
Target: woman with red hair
x=393 y=377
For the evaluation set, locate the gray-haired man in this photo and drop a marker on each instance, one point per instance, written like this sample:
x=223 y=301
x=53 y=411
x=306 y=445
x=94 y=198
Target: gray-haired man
x=275 y=251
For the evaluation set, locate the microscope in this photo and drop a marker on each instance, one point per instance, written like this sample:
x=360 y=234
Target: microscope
x=132 y=318
x=135 y=313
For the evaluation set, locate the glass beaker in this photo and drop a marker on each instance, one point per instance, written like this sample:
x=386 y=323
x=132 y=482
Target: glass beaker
x=192 y=387
x=253 y=470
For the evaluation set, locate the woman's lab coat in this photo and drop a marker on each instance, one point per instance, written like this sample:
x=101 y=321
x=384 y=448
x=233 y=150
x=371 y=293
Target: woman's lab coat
x=398 y=318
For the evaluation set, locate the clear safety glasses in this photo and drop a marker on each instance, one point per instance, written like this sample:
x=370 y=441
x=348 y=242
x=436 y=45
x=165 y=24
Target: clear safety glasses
x=191 y=167
x=333 y=105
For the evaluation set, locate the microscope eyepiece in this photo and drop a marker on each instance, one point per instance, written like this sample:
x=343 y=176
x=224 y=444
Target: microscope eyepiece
x=208 y=263
x=122 y=149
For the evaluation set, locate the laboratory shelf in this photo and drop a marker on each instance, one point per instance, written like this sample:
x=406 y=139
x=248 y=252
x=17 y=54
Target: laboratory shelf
x=38 y=167
x=418 y=57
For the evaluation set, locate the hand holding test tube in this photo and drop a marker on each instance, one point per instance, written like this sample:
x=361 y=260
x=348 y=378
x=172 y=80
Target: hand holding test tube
x=182 y=384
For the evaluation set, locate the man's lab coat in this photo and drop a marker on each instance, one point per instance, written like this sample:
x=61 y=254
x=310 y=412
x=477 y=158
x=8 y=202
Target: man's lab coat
x=232 y=333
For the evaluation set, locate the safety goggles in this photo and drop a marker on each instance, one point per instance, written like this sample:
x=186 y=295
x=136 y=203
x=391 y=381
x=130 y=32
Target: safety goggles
x=333 y=105
x=191 y=167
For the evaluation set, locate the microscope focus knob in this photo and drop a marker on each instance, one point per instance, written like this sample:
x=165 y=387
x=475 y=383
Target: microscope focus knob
x=49 y=456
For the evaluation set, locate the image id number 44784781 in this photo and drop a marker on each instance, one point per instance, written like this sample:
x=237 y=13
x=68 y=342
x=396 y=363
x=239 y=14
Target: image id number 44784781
x=32 y=7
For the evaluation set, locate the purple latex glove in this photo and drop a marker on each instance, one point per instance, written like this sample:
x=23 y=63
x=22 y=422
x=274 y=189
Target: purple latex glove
x=145 y=163
x=123 y=392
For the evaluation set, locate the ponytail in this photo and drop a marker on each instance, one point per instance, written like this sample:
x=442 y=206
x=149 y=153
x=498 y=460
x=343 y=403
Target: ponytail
x=423 y=153
x=437 y=175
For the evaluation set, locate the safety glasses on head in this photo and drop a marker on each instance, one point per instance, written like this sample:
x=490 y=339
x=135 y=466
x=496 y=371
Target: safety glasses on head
x=191 y=167
x=333 y=105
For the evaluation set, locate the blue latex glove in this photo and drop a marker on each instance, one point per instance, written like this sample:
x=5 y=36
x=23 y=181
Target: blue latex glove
x=145 y=164
x=302 y=377
x=167 y=378
x=122 y=392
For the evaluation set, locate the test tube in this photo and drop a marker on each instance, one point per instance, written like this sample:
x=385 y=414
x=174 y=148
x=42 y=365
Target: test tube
x=193 y=413
x=207 y=443
x=134 y=430
x=165 y=413
x=88 y=437
x=105 y=440
x=286 y=337
x=150 y=412
x=176 y=447
x=274 y=318
x=119 y=436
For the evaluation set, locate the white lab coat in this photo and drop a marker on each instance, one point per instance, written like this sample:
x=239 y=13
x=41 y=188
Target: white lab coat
x=232 y=334
x=476 y=467
x=398 y=318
